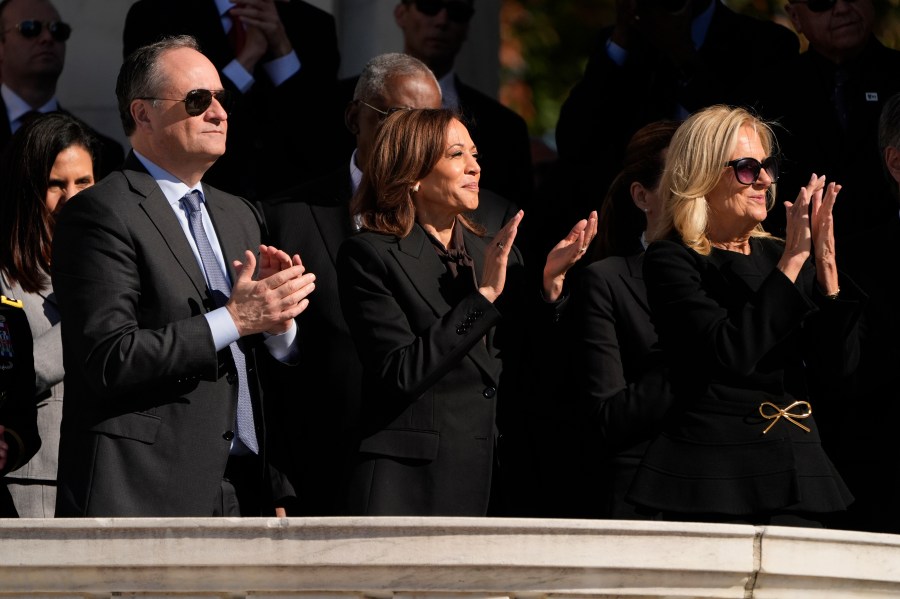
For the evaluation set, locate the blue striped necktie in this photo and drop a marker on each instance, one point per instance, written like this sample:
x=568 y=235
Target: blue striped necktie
x=220 y=291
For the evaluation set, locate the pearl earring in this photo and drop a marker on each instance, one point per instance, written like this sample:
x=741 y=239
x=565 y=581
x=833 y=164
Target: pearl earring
x=415 y=187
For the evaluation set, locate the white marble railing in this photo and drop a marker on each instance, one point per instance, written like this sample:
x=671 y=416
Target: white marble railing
x=438 y=558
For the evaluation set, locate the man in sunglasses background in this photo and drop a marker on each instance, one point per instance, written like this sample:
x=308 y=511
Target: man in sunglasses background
x=433 y=32
x=828 y=100
x=280 y=60
x=32 y=56
x=167 y=318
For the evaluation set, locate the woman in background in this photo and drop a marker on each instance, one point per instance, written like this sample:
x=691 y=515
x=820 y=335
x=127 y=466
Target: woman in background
x=616 y=364
x=47 y=162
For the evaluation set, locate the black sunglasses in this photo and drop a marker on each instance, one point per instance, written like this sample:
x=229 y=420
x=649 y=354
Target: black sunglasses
x=31 y=28
x=198 y=100
x=747 y=170
x=457 y=10
x=819 y=5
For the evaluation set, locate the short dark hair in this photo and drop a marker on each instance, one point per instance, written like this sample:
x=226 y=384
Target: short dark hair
x=26 y=224
x=140 y=76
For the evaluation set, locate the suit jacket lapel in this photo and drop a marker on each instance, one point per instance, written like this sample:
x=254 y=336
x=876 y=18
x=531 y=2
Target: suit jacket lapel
x=334 y=221
x=634 y=279
x=160 y=213
x=423 y=267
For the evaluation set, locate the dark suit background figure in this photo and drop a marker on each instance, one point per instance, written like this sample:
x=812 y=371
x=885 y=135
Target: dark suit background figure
x=622 y=389
x=149 y=411
x=111 y=153
x=18 y=410
x=611 y=102
x=277 y=135
x=815 y=141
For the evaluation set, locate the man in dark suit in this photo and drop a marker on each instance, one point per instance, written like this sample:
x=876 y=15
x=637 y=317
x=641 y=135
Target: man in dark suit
x=32 y=54
x=312 y=220
x=281 y=58
x=828 y=101
x=162 y=414
x=500 y=134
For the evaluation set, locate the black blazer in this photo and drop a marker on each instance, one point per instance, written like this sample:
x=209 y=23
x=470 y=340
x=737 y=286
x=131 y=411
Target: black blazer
x=611 y=102
x=316 y=426
x=736 y=333
x=18 y=410
x=277 y=136
x=434 y=375
x=622 y=384
x=149 y=405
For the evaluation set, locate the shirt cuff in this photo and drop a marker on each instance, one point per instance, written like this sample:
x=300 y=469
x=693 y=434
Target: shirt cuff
x=283 y=68
x=283 y=347
x=238 y=75
x=616 y=53
x=224 y=331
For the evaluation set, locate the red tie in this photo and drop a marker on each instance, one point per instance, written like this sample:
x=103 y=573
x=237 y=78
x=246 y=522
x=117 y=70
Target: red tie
x=237 y=36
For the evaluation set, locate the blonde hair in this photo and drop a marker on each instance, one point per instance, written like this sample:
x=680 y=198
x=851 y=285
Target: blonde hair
x=697 y=155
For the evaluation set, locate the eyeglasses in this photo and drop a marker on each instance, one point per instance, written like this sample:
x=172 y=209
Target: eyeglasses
x=457 y=10
x=198 y=100
x=31 y=28
x=747 y=170
x=819 y=5
x=384 y=113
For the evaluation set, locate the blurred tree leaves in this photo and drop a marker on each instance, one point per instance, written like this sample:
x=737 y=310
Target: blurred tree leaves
x=545 y=45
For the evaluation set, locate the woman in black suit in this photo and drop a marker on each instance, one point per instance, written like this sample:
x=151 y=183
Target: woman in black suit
x=439 y=318
x=745 y=321
x=618 y=369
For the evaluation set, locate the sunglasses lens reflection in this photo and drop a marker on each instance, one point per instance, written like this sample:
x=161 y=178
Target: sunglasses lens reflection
x=198 y=100
x=32 y=28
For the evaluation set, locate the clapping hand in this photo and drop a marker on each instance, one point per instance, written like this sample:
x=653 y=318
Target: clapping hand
x=565 y=254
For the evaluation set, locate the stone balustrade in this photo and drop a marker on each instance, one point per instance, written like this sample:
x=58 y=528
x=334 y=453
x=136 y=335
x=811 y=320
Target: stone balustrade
x=440 y=558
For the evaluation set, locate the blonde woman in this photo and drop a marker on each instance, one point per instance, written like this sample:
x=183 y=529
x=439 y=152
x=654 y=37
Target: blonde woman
x=745 y=322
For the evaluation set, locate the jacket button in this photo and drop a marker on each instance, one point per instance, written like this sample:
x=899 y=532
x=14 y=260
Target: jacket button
x=228 y=435
x=460 y=330
x=231 y=378
x=489 y=392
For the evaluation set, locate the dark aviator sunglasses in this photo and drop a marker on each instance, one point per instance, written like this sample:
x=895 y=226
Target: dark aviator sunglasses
x=198 y=100
x=31 y=28
x=747 y=170
x=819 y=5
x=457 y=10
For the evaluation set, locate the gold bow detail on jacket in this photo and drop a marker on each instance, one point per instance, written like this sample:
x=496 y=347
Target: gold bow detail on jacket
x=786 y=412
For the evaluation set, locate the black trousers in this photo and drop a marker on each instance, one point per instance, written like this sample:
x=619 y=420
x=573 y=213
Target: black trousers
x=242 y=490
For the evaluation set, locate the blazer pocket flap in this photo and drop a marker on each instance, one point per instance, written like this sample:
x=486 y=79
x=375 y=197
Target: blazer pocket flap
x=138 y=426
x=410 y=444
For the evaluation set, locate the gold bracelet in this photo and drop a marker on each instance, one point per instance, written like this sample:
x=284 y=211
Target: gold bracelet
x=833 y=296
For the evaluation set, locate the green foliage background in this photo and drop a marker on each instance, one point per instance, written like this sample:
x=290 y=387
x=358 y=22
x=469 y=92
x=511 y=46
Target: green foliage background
x=545 y=45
